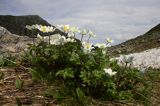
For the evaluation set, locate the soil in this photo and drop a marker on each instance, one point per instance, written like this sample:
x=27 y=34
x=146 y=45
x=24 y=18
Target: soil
x=32 y=93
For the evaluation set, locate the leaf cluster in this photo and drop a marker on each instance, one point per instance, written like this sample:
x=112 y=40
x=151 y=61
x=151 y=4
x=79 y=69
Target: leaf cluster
x=82 y=74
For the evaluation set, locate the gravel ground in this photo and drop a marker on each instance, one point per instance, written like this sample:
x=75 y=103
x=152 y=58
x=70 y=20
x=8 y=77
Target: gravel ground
x=145 y=59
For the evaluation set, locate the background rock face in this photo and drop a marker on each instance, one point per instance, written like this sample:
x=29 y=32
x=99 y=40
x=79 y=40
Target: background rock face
x=149 y=40
x=11 y=43
x=16 y=24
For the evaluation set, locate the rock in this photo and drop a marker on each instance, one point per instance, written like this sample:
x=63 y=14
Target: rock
x=11 y=44
x=3 y=31
x=145 y=59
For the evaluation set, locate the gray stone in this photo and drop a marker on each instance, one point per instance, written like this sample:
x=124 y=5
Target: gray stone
x=11 y=44
x=3 y=31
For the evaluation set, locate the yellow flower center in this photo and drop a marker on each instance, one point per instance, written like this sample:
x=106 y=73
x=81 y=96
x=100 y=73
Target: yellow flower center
x=43 y=29
x=66 y=28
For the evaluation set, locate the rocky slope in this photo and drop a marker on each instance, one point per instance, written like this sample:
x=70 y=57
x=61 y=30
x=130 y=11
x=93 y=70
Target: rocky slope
x=149 y=40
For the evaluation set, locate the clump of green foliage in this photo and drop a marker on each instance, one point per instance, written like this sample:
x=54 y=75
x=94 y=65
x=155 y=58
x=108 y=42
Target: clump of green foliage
x=7 y=61
x=83 y=72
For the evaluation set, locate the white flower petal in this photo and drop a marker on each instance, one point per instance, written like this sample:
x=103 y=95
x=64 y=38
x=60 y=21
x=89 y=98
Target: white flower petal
x=70 y=35
x=87 y=47
x=91 y=34
x=84 y=32
x=109 y=40
x=101 y=45
x=109 y=71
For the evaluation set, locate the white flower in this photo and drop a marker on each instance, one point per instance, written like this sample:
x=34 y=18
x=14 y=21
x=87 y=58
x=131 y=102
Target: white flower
x=46 y=39
x=64 y=28
x=109 y=71
x=39 y=37
x=59 y=26
x=55 y=39
x=51 y=29
x=84 y=32
x=55 y=42
x=87 y=47
x=74 y=29
x=91 y=34
x=101 y=45
x=36 y=26
x=109 y=40
x=28 y=27
x=70 y=35
x=70 y=40
x=31 y=27
x=62 y=40
x=45 y=29
x=142 y=69
x=104 y=51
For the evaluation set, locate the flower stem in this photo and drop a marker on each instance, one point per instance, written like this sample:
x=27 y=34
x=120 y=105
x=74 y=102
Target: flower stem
x=66 y=34
x=74 y=34
x=43 y=38
x=88 y=39
x=107 y=43
x=82 y=38
x=33 y=38
x=49 y=39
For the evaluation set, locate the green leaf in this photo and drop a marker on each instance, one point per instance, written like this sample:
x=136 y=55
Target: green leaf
x=35 y=74
x=19 y=83
x=1 y=76
x=81 y=96
x=85 y=76
x=66 y=73
x=54 y=56
x=18 y=101
x=2 y=61
x=74 y=57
